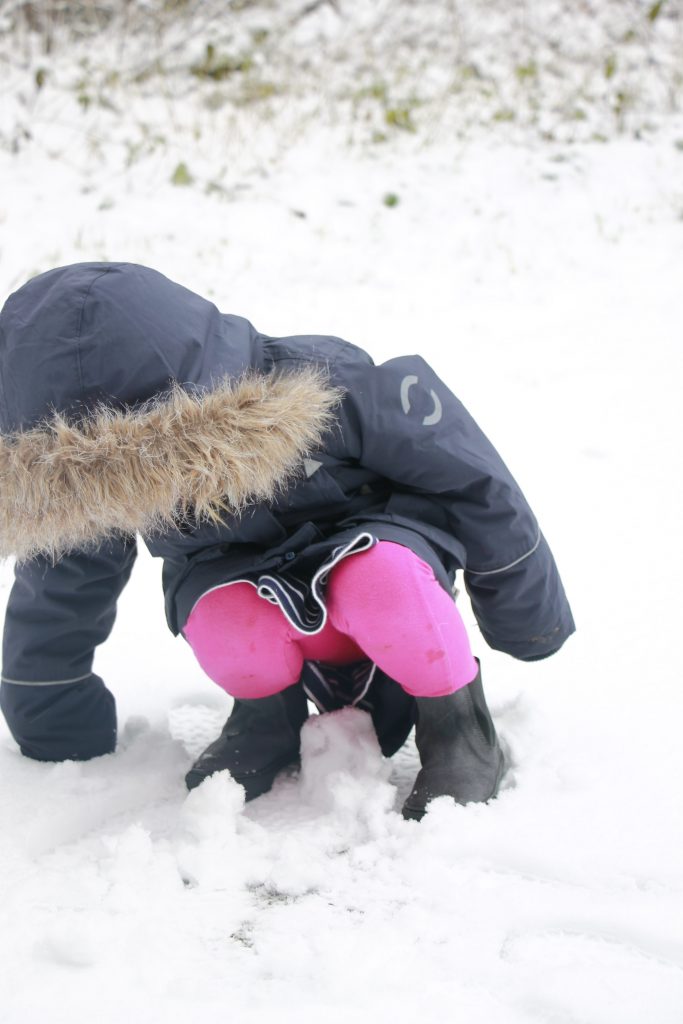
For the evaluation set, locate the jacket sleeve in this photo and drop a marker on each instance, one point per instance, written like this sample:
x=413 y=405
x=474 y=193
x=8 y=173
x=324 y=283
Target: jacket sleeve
x=56 y=707
x=410 y=429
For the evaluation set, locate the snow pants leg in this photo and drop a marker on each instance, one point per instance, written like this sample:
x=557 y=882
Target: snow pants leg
x=63 y=722
x=383 y=604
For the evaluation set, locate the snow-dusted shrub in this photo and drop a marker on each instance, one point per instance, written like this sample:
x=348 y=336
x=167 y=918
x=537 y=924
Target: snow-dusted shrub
x=372 y=71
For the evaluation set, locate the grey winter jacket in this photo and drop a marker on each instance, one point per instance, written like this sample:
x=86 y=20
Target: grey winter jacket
x=223 y=475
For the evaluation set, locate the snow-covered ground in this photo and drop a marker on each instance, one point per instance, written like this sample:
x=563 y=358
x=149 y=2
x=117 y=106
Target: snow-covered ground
x=544 y=281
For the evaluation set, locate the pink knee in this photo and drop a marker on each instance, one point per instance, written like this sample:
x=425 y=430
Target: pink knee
x=243 y=642
x=390 y=602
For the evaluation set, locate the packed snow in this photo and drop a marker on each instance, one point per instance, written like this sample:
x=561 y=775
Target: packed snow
x=540 y=272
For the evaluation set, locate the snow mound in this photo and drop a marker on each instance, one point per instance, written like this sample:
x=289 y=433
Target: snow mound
x=343 y=772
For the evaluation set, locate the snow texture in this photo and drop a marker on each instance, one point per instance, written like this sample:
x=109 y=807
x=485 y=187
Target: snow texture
x=536 y=262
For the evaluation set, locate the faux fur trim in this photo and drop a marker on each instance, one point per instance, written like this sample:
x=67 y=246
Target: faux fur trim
x=66 y=486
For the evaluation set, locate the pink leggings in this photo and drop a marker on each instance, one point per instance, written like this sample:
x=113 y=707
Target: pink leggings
x=384 y=604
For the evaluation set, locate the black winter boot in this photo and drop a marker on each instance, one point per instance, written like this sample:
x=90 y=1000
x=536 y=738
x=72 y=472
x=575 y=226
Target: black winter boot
x=459 y=750
x=259 y=739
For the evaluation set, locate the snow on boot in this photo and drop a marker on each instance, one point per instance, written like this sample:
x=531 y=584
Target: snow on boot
x=459 y=750
x=259 y=739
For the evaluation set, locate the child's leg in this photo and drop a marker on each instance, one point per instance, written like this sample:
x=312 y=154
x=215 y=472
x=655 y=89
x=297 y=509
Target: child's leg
x=390 y=602
x=247 y=646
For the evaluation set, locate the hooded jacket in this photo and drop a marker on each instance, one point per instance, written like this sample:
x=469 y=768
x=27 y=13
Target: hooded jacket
x=131 y=406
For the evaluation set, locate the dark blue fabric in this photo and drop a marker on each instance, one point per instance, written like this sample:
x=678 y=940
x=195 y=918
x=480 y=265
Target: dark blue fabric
x=56 y=708
x=57 y=614
x=112 y=332
x=61 y=723
x=405 y=460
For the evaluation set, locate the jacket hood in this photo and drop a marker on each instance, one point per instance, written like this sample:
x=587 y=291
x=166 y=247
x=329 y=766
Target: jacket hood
x=130 y=405
x=115 y=333
x=183 y=458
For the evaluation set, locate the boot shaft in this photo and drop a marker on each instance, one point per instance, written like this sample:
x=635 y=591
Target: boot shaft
x=459 y=750
x=281 y=713
x=441 y=720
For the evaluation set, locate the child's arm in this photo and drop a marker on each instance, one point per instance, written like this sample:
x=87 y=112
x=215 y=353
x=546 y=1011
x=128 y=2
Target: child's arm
x=412 y=430
x=56 y=708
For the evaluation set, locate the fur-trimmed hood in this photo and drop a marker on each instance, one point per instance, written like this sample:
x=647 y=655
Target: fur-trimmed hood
x=129 y=404
x=65 y=486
